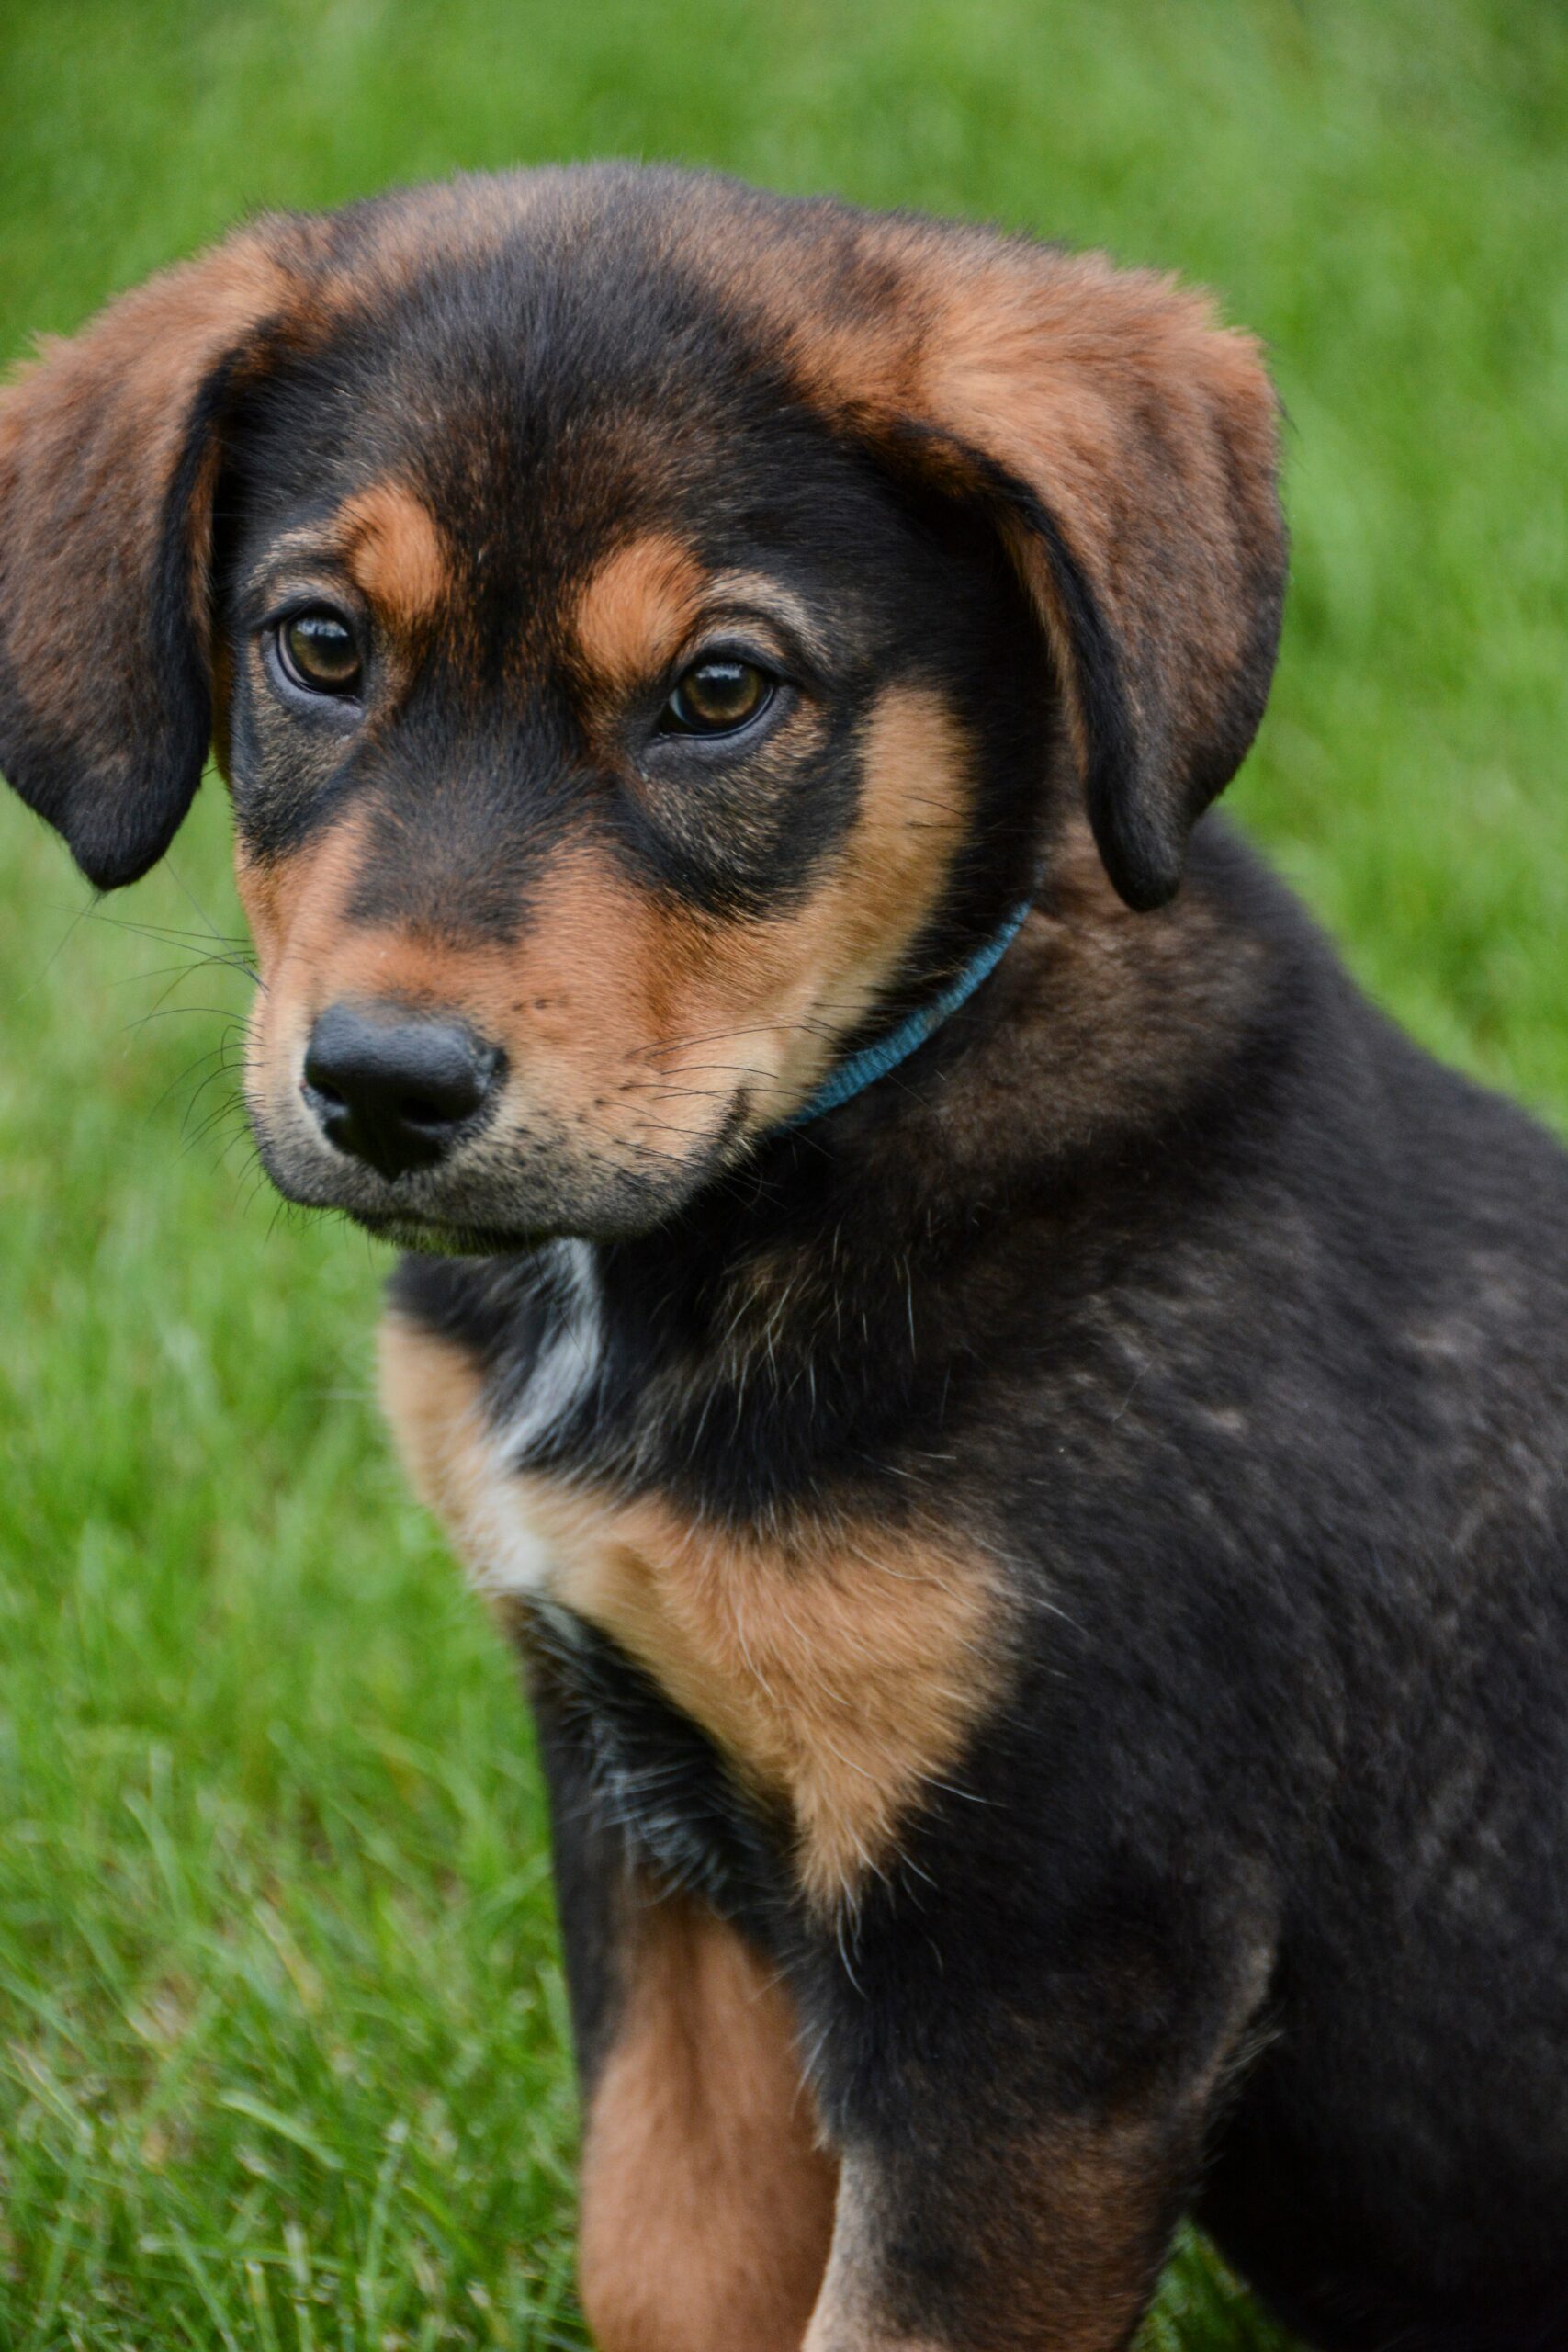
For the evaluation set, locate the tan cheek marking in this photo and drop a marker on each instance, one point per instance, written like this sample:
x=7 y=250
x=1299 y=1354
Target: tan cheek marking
x=605 y=974
x=259 y=892
x=635 y=609
x=294 y=905
x=394 y=554
x=619 y=1013
x=294 y=908
x=600 y=976
x=829 y=964
x=687 y=1009
x=707 y=2202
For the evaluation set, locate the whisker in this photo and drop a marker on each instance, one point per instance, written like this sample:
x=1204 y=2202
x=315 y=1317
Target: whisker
x=183 y=886
x=177 y=1011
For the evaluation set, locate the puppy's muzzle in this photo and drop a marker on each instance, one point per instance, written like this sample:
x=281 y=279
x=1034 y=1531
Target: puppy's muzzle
x=399 y=1093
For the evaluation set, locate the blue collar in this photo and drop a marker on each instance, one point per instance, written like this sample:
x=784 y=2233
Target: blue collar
x=875 y=1061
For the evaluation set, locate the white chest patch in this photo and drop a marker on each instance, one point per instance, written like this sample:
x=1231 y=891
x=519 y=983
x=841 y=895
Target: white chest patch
x=467 y=1467
x=567 y=1362
x=509 y=1557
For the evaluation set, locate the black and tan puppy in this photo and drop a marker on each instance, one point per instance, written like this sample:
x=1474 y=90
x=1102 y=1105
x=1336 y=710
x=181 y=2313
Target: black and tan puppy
x=1026 y=1462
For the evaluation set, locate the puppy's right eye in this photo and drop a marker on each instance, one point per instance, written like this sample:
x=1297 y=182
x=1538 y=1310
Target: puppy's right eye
x=319 y=652
x=717 y=696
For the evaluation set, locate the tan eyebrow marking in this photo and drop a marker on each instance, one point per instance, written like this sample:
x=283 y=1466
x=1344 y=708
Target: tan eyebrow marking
x=384 y=539
x=635 y=610
x=648 y=600
x=394 y=554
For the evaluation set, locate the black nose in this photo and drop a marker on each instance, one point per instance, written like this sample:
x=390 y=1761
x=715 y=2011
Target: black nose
x=398 y=1092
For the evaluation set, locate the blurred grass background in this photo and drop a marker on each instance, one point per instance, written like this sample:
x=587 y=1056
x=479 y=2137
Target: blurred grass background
x=281 y=2027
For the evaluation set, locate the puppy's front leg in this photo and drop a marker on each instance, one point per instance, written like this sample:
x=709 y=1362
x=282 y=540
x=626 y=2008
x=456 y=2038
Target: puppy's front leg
x=1051 y=2244
x=1010 y=2181
x=707 y=2199
x=707 y=2194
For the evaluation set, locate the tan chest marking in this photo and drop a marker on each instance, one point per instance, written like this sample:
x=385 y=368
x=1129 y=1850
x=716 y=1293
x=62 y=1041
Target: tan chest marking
x=837 y=1663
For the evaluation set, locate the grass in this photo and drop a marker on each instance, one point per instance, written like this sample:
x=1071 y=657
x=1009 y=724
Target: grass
x=281 y=2023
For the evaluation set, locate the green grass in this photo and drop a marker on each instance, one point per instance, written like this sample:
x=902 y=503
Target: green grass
x=281 y=2030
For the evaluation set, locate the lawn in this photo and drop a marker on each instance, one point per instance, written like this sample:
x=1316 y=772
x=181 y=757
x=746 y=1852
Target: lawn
x=282 y=2057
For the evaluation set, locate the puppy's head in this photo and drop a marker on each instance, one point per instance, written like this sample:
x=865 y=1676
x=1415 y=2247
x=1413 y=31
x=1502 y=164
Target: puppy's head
x=652 y=633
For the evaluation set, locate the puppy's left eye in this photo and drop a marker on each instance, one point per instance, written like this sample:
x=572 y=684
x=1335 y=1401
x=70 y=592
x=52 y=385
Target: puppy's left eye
x=716 y=698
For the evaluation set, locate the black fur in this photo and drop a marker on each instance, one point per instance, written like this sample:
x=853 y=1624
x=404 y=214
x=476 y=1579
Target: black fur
x=1168 y=1277
x=1268 y=1412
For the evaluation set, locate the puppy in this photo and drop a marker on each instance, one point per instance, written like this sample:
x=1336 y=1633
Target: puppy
x=1020 y=1428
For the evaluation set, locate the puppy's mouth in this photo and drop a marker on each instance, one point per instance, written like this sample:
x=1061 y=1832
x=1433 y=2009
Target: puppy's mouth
x=448 y=1237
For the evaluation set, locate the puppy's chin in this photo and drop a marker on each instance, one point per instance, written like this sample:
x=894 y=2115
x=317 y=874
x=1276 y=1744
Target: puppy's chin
x=499 y=1209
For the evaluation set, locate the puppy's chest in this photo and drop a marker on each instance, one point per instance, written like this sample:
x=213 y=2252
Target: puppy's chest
x=837 y=1664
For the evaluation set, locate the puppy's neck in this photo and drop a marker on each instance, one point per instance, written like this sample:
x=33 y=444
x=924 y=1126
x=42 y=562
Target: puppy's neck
x=827 y=1295
x=857 y=1289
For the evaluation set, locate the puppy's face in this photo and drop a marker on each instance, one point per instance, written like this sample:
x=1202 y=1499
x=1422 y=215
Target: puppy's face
x=650 y=631
x=607 y=744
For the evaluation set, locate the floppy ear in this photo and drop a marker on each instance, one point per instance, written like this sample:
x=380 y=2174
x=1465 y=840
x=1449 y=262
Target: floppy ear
x=1127 y=445
x=109 y=454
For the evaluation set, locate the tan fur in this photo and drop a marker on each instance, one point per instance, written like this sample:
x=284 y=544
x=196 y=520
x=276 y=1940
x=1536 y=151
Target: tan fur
x=633 y=612
x=839 y=1662
x=838 y=1665
x=394 y=554
x=707 y=2201
x=295 y=908
x=631 y=1023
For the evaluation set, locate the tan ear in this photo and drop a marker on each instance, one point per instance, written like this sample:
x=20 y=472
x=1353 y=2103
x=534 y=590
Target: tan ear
x=109 y=454
x=1128 y=447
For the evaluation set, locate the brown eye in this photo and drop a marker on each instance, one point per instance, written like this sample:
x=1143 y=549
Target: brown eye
x=320 y=653
x=714 y=698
